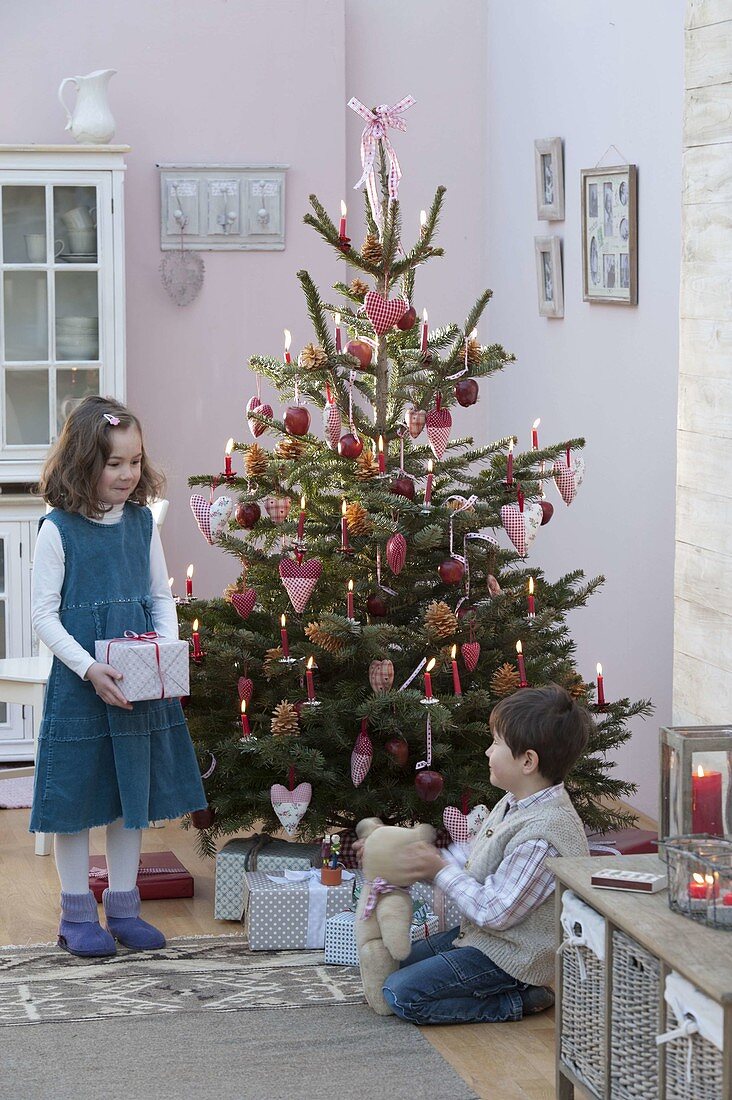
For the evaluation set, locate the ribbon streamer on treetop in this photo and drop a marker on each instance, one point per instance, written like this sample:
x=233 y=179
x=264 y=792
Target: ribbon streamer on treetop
x=376 y=129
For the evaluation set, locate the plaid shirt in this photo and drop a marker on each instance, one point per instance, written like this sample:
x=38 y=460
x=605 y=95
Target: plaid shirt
x=520 y=884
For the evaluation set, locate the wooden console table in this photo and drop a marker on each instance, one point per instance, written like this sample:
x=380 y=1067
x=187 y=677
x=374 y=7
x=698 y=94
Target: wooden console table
x=701 y=955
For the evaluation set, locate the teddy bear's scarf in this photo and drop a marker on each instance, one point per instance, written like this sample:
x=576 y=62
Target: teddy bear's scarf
x=376 y=887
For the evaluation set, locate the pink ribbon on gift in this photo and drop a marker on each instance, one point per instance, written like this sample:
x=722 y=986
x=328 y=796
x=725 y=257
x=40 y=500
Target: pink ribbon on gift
x=150 y=636
x=377 y=887
x=377 y=126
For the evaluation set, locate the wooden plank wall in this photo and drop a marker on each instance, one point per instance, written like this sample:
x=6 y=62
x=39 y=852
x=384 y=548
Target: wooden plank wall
x=703 y=575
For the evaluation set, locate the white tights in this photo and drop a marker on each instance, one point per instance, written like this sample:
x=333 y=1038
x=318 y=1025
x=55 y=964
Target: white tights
x=123 y=856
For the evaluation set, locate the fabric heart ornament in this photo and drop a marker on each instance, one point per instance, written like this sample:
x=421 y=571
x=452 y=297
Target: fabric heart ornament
x=569 y=477
x=381 y=676
x=290 y=806
x=255 y=426
x=278 y=508
x=439 y=423
x=396 y=553
x=470 y=652
x=243 y=602
x=245 y=687
x=415 y=419
x=211 y=517
x=300 y=579
x=383 y=313
x=521 y=527
x=361 y=757
x=464 y=827
x=332 y=424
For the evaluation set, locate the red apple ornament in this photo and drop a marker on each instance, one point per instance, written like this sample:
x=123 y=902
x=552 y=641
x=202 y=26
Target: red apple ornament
x=247 y=515
x=376 y=606
x=428 y=784
x=466 y=392
x=360 y=350
x=407 y=319
x=451 y=571
x=402 y=486
x=547 y=511
x=297 y=420
x=350 y=445
x=203 y=819
x=398 y=750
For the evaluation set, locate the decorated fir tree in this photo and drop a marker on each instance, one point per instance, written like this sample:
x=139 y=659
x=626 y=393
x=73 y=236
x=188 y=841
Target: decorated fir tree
x=378 y=613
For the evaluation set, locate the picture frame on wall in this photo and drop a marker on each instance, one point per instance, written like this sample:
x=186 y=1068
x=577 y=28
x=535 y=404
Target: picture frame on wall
x=610 y=235
x=549 y=167
x=549 y=279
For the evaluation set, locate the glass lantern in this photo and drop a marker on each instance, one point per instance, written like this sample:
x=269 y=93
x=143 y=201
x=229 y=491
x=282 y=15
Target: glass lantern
x=696 y=781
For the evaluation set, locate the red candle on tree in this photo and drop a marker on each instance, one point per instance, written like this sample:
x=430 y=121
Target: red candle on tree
x=455 y=674
x=245 y=730
x=189 y=581
x=600 y=687
x=283 y=637
x=288 y=341
x=532 y=606
x=342 y=225
x=196 y=639
x=509 y=465
x=344 y=527
x=428 y=488
x=535 y=433
x=309 y=680
x=301 y=520
x=423 y=344
x=382 y=460
x=337 y=319
x=428 y=678
x=706 y=802
x=521 y=666
x=349 y=602
x=227 y=458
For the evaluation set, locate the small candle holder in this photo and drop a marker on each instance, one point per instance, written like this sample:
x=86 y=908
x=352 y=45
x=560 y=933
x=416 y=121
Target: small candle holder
x=344 y=243
x=695 y=790
x=198 y=658
x=289 y=660
x=600 y=708
x=428 y=701
x=700 y=878
x=311 y=702
x=509 y=487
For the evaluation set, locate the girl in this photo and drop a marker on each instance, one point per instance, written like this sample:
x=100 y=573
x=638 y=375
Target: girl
x=99 y=570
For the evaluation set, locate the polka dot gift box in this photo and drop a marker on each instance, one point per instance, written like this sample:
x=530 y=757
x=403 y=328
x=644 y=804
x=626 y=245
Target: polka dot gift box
x=260 y=853
x=340 y=936
x=288 y=911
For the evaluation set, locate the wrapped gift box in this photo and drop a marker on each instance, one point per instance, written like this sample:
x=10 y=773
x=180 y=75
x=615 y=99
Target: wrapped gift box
x=624 y=842
x=161 y=875
x=290 y=915
x=340 y=936
x=255 y=853
x=446 y=911
x=153 y=668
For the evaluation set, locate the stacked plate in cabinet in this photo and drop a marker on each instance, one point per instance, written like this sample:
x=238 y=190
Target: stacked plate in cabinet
x=77 y=337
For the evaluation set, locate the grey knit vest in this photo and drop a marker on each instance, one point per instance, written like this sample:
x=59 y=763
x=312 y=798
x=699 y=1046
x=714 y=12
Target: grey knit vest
x=526 y=951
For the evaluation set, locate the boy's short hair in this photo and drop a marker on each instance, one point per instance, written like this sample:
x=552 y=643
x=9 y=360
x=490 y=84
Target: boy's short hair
x=547 y=720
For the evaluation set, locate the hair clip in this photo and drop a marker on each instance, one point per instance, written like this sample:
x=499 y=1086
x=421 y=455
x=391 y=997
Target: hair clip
x=113 y=420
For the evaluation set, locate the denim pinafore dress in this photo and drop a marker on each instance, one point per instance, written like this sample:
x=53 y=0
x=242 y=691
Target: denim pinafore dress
x=97 y=763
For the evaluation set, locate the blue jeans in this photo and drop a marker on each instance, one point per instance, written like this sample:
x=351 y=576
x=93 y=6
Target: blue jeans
x=442 y=984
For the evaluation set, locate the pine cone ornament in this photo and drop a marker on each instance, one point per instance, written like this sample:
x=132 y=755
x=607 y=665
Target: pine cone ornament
x=474 y=350
x=284 y=721
x=255 y=461
x=319 y=636
x=371 y=250
x=313 y=357
x=440 y=620
x=358 y=288
x=575 y=685
x=290 y=448
x=505 y=680
x=272 y=657
x=457 y=506
x=366 y=466
x=358 y=519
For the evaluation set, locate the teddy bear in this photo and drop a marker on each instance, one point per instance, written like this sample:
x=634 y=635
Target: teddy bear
x=384 y=910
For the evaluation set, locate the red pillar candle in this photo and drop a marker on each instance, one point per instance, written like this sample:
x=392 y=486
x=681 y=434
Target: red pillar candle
x=283 y=637
x=288 y=341
x=309 y=680
x=428 y=487
x=423 y=344
x=227 y=458
x=706 y=802
x=349 y=601
x=521 y=666
x=600 y=687
x=189 y=581
x=245 y=730
x=535 y=433
x=428 y=678
x=382 y=460
x=532 y=605
x=344 y=527
x=337 y=319
x=455 y=674
x=301 y=520
x=509 y=465
x=196 y=639
x=342 y=225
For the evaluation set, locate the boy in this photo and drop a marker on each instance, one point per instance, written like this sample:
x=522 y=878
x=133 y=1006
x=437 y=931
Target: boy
x=497 y=965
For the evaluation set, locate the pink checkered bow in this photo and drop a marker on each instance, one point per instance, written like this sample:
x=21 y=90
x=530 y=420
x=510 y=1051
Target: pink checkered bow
x=377 y=126
x=377 y=887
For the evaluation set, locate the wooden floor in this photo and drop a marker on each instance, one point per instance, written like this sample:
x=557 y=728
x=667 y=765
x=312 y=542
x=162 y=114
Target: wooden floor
x=512 y=1061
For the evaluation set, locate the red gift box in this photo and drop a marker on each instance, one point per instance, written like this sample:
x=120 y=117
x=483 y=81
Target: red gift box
x=161 y=875
x=624 y=842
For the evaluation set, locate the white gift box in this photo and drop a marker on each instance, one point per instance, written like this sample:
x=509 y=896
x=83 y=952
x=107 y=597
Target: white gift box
x=340 y=937
x=151 y=667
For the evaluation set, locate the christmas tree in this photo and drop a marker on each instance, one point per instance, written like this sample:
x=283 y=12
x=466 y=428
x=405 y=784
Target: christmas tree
x=351 y=668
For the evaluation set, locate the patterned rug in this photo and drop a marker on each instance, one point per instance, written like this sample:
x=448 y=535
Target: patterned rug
x=16 y=794
x=42 y=984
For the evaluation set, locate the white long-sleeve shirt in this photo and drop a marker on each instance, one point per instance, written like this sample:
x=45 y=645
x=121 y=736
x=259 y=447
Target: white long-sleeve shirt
x=49 y=568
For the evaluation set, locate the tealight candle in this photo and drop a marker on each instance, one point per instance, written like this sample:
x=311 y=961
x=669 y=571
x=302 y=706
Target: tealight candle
x=521 y=666
x=455 y=674
x=189 y=581
x=283 y=637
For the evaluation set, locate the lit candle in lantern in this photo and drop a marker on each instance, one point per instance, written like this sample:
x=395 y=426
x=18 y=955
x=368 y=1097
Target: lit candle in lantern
x=535 y=433
x=337 y=319
x=196 y=639
x=509 y=464
x=350 y=600
x=703 y=887
x=422 y=220
x=706 y=802
x=600 y=686
x=428 y=487
x=342 y=226
x=455 y=673
x=301 y=520
x=245 y=730
x=344 y=526
x=428 y=678
x=521 y=666
x=288 y=341
x=309 y=680
x=189 y=581
x=227 y=458
x=283 y=637
x=532 y=607
x=382 y=460
x=423 y=345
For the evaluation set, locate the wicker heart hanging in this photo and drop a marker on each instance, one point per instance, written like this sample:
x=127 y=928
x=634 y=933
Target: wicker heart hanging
x=300 y=579
x=243 y=602
x=464 y=827
x=521 y=526
x=254 y=404
x=383 y=313
x=362 y=755
x=470 y=652
x=245 y=687
x=439 y=423
x=211 y=516
x=381 y=676
x=568 y=475
x=290 y=806
x=396 y=553
x=332 y=424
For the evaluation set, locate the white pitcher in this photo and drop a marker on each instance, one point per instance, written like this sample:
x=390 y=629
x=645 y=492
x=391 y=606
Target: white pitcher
x=91 y=122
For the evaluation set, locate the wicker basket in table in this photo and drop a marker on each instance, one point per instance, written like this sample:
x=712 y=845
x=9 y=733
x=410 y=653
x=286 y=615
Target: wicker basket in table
x=635 y=1021
x=583 y=1016
x=700 y=1080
